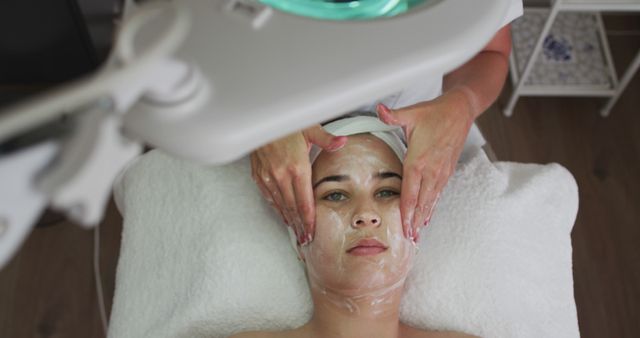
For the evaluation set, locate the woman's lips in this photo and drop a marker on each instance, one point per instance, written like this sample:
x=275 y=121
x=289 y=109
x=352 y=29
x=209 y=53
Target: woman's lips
x=367 y=247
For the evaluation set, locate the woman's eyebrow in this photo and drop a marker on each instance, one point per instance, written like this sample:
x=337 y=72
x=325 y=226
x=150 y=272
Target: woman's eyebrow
x=334 y=178
x=388 y=174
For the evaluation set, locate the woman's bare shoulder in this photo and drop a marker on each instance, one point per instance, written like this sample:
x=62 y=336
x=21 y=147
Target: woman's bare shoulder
x=411 y=333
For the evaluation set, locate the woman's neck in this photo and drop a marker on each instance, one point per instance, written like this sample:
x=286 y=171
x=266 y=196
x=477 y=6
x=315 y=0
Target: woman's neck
x=373 y=314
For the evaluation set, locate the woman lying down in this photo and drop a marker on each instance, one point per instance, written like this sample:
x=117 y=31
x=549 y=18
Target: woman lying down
x=358 y=262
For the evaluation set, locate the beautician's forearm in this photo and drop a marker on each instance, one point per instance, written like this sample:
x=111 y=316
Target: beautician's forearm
x=483 y=77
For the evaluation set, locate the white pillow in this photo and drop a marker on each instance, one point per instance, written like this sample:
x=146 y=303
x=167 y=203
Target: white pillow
x=202 y=255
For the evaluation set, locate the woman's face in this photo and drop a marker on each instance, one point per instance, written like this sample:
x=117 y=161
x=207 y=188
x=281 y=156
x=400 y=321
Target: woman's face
x=359 y=245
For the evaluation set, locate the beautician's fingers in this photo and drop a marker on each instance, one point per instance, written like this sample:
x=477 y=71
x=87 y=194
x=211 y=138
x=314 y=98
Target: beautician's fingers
x=436 y=131
x=303 y=191
x=257 y=177
x=272 y=165
x=415 y=181
x=271 y=199
x=290 y=209
x=279 y=190
x=426 y=197
x=404 y=117
x=446 y=172
x=259 y=182
x=275 y=198
x=411 y=182
x=269 y=189
x=428 y=202
x=277 y=166
x=323 y=139
x=413 y=167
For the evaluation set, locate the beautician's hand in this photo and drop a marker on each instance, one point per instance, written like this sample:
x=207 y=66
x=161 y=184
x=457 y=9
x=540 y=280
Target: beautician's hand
x=436 y=131
x=282 y=171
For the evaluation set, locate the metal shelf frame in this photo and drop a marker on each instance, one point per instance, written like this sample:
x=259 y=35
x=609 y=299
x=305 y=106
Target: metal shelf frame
x=618 y=85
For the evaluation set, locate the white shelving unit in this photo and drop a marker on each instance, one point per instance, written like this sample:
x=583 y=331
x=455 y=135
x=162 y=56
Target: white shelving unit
x=563 y=51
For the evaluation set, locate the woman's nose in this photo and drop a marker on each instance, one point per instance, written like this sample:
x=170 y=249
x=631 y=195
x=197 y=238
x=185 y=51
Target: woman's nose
x=366 y=219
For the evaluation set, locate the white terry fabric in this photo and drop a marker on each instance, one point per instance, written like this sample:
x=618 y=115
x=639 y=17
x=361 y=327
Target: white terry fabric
x=203 y=256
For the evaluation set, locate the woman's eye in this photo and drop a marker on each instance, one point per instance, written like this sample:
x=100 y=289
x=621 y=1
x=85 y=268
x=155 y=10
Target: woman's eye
x=335 y=196
x=386 y=193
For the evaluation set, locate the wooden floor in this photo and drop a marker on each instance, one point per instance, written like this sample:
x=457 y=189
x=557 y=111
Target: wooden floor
x=604 y=156
x=48 y=290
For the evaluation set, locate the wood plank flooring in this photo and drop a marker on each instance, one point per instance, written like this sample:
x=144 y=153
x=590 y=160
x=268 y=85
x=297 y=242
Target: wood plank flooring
x=603 y=154
x=48 y=289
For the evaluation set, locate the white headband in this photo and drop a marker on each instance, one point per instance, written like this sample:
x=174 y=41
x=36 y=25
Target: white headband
x=391 y=135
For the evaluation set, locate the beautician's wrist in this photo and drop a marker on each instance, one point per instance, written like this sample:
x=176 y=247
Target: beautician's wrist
x=465 y=102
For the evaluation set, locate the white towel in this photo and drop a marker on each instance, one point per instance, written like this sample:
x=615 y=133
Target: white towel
x=203 y=256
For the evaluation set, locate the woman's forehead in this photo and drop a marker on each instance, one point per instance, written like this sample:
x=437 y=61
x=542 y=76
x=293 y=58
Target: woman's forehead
x=361 y=151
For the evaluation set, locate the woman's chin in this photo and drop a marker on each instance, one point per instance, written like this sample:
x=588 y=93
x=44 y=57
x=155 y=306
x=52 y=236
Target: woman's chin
x=360 y=272
x=361 y=282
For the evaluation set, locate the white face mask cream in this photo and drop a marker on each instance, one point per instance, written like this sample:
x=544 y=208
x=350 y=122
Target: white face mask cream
x=359 y=254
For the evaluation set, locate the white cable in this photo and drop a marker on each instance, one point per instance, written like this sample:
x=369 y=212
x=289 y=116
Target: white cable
x=98 y=278
x=164 y=46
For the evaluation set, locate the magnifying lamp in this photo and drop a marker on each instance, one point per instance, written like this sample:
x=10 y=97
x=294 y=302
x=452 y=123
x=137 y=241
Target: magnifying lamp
x=211 y=80
x=275 y=70
x=344 y=9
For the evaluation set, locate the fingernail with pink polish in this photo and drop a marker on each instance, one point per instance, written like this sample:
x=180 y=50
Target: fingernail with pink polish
x=302 y=239
x=383 y=107
x=307 y=240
